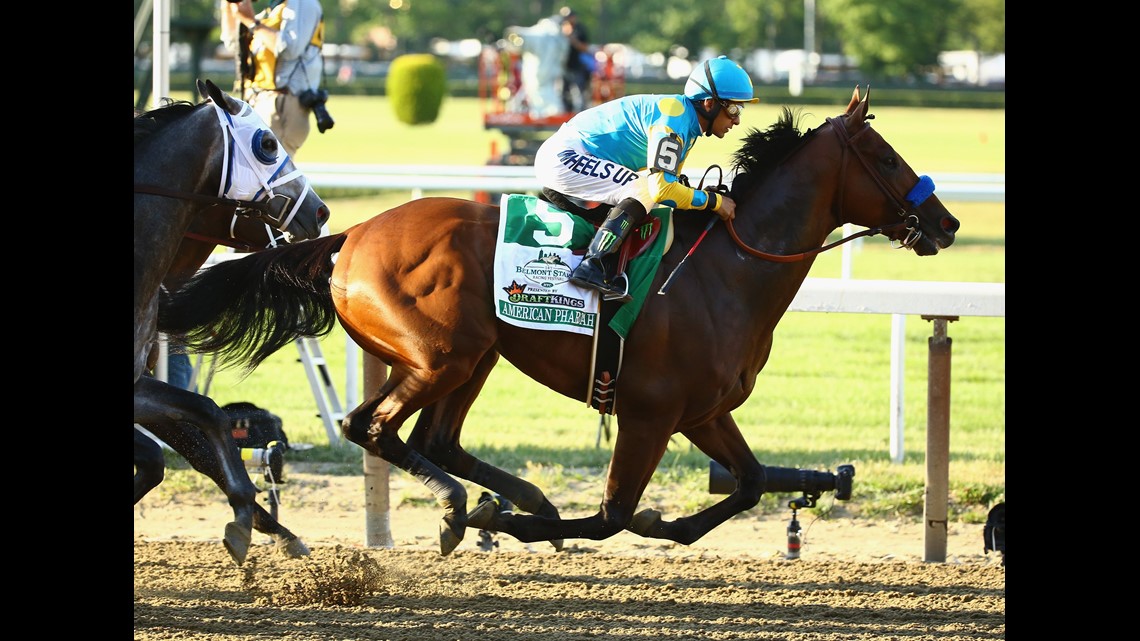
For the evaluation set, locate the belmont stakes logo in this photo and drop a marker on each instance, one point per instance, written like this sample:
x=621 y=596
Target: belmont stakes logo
x=547 y=270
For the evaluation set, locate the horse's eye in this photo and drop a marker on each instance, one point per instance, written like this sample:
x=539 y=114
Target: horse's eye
x=891 y=162
x=265 y=146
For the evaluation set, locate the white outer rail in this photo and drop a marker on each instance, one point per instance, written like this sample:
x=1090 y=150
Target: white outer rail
x=928 y=298
x=899 y=298
x=953 y=187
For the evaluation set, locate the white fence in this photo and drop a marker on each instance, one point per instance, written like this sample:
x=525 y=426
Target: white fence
x=514 y=179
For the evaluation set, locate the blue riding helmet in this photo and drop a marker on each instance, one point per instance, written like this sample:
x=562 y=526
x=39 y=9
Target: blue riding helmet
x=721 y=79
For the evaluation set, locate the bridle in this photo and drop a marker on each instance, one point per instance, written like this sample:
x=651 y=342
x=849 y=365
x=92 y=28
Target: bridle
x=917 y=195
x=273 y=240
x=255 y=175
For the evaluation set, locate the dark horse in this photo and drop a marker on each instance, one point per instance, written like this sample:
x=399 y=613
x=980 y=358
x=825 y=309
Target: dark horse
x=187 y=159
x=216 y=226
x=414 y=287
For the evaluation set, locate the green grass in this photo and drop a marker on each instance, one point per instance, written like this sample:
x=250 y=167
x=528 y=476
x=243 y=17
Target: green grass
x=931 y=140
x=367 y=131
x=823 y=399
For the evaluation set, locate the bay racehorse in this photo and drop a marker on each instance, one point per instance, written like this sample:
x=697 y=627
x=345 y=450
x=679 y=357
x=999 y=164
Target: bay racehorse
x=187 y=159
x=415 y=287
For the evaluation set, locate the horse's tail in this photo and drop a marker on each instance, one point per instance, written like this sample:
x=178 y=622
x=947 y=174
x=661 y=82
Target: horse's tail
x=245 y=310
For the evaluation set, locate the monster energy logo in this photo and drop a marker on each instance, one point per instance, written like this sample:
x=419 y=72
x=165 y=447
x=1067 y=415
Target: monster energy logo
x=608 y=240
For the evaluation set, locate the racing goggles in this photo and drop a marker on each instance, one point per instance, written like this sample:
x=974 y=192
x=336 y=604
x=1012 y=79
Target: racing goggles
x=733 y=109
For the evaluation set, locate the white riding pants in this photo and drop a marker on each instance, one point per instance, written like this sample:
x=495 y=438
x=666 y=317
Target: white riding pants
x=563 y=164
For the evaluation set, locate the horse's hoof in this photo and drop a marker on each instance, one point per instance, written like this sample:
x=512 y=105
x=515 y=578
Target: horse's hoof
x=644 y=522
x=293 y=548
x=448 y=538
x=237 y=541
x=482 y=516
x=558 y=543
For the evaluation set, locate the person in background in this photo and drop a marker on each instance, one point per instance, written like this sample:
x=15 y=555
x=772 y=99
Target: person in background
x=629 y=153
x=578 y=70
x=280 y=65
x=179 y=371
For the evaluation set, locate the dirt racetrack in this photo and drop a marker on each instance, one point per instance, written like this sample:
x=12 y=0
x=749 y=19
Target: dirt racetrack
x=855 y=580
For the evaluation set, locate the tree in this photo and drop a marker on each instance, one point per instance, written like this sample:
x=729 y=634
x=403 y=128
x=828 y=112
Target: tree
x=894 y=38
x=980 y=26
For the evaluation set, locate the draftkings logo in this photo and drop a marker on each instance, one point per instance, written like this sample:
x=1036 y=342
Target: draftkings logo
x=542 y=295
x=517 y=294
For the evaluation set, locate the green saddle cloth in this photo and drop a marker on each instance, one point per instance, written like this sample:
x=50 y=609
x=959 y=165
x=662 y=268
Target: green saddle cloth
x=522 y=226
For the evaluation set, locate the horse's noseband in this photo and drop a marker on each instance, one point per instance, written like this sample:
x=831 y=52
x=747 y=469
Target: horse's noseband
x=273 y=211
x=915 y=197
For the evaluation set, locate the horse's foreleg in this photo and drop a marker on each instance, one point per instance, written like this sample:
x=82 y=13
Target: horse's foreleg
x=723 y=442
x=150 y=466
x=157 y=403
x=374 y=426
x=195 y=448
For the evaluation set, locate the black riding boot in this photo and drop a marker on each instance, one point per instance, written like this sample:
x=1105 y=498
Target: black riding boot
x=595 y=271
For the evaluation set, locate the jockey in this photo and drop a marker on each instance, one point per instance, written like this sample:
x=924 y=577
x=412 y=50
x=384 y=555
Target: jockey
x=629 y=152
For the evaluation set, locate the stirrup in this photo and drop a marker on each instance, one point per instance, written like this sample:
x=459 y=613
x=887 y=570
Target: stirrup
x=592 y=273
x=610 y=291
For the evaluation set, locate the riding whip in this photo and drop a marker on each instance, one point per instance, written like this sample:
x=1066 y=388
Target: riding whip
x=665 y=285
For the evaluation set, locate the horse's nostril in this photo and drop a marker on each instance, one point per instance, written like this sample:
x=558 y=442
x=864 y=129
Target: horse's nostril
x=323 y=214
x=950 y=224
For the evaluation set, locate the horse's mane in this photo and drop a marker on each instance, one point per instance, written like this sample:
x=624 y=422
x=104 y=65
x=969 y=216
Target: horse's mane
x=151 y=121
x=763 y=150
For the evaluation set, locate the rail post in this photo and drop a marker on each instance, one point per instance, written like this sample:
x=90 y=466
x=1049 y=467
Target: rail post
x=935 y=509
x=377 y=518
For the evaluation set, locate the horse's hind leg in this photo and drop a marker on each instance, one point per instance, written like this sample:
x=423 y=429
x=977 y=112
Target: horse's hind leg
x=637 y=451
x=436 y=435
x=195 y=448
x=722 y=441
x=375 y=425
x=157 y=403
x=450 y=456
x=150 y=465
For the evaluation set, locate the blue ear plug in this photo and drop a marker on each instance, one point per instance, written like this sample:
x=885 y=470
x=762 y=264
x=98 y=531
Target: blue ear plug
x=921 y=191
